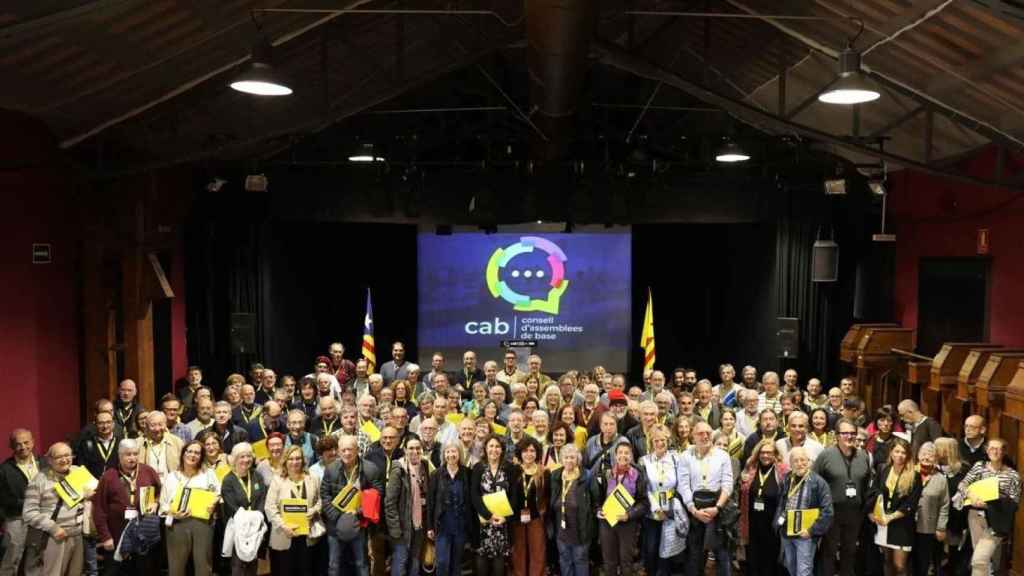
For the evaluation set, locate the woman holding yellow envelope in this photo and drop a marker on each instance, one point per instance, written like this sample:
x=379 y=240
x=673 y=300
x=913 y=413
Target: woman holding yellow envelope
x=293 y=509
x=187 y=500
x=896 y=493
x=623 y=490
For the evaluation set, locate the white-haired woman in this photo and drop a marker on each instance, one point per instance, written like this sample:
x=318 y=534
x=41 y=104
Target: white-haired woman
x=573 y=513
x=932 y=513
x=118 y=499
x=242 y=489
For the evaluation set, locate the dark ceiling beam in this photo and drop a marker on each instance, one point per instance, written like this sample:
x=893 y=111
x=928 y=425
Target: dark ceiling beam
x=980 y=70
x=22 y=28
x=194 y=82
x=614 y=56
x=381 y=88
x=896 y=122
x=981 y=127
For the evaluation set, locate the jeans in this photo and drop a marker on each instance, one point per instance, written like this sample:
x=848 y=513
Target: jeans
x=448 y=561
x=651 y=541
x=357 y=546
x=91 y=567
x=405 y=558
x=696 y=556
x=572 y=559
x=14 y=546
x=798 y=555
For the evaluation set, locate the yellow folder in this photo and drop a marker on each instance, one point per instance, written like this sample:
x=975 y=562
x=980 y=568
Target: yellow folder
x=799 y=520
x=455 y=418
x=985 y=490
x=499 y=429
x=498 y=504
x=259 y=450
x=371 y=430
x=221 y=471
x=616 y=504
x=348 y=500
x=72 y=488
x=293 y=514
x=195 y=501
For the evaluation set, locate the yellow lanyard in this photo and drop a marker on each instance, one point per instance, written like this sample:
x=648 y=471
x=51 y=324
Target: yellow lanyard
x=105 y=454
x=328 y=430
x=794 y=489
x=387 y=468
x=247 y=488
x=705 y=469
x=248 y=417
x=762 y=478
x=262 y=427
x=298 y=488
x=132 y=482
x=527 y=485
x=351 y=478
x=566 y=486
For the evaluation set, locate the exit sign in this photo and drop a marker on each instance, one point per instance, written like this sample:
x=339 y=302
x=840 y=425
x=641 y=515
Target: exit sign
x=42 y=254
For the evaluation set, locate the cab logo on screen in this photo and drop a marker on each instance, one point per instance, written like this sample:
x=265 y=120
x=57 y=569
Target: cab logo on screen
x=501 y=270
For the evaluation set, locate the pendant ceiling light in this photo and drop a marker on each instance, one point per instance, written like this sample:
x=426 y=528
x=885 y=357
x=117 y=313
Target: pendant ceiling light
x=731 y=152
x=261 y=79
x=852 y=87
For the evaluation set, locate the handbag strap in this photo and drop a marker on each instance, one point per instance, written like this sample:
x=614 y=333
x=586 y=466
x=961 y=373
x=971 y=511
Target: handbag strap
x=56 y=510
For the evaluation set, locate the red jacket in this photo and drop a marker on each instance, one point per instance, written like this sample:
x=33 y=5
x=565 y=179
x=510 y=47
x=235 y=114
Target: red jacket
x=111 y=500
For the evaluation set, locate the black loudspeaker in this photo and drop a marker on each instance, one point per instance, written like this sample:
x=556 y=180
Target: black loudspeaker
x=243 y=333
x=787 y=335
x=825 y=261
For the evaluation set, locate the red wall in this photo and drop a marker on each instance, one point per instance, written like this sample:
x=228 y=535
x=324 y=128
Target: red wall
x=39 y=318
x=935 y=217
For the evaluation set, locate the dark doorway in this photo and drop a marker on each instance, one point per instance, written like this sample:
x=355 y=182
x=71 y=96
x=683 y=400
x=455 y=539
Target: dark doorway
x=952 y=302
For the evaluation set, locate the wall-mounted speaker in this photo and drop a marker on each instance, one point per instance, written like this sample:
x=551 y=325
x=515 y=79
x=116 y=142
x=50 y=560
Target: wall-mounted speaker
x=243 y=333
x=787 y=337
x=825 y=261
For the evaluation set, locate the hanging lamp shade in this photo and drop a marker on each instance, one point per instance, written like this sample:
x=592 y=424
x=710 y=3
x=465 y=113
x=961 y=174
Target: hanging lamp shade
x=260 y=78
x=852 y=87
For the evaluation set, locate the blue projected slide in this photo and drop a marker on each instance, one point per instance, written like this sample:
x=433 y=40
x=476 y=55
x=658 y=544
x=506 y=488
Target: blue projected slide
x=568 y=292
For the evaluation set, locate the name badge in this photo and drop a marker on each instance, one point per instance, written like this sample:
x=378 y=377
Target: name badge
x=851 y=491
x=759 y=505
x=782 y=521
x=563 y=524
x=524 y=517
x=131 y=514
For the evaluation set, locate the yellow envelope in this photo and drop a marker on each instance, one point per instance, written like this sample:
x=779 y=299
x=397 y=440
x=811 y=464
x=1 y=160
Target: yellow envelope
x=221 y=471
x=195 y=501
x=455 y=418
x=799 y=520
x=499 y=429
x=72 y=488
x=293 y=514
x=617 y=504
x=371 y=430
x=985 y=490
x=259 y=450
x=497 y=503
x=348 y=500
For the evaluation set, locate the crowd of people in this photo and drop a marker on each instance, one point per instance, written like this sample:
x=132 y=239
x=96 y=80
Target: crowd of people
x=492 y=468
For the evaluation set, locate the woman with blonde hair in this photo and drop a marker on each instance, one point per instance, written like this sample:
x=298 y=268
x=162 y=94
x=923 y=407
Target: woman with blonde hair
x=551 y=402
x=947 y=458
x=242 y=489
x=760 y=489
x=896 y=492
x=681 y=430
x=291 y=552
x=450 y=517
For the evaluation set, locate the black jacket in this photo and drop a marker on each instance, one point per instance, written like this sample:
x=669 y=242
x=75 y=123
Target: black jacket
x=375 y=454
x=1000 y=515
x=124 y=418
x=586 y=519
x=334 y=480
x=233 y=495
x=969 y=458
x=461 y=379
x=12 y=487
x=233 y=434
x=476 y=491
x=87 y=452
x=320 y=427
x=437 y=491
x=641 y=503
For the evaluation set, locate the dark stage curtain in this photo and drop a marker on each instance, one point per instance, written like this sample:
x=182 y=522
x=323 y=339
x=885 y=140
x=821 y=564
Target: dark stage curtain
x=713 y=295
x=224 y=276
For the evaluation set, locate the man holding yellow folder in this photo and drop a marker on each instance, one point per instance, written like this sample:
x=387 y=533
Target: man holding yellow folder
x=804 y=514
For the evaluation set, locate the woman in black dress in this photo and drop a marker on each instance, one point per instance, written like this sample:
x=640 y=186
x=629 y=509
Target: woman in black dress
x=896 y=492
x=490 y=475
x=759 y=498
